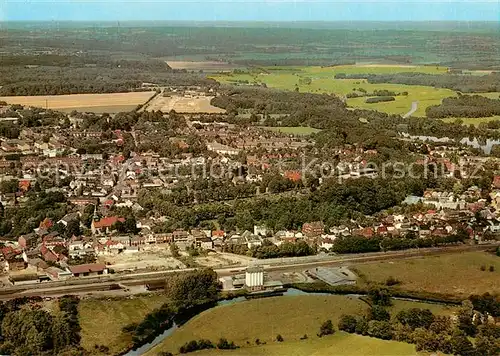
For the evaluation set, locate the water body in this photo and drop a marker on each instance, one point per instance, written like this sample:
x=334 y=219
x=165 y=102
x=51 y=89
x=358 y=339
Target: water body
x=484 y=145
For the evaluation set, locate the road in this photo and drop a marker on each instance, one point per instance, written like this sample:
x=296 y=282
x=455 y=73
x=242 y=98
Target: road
x=93 y=284
x=414 y=107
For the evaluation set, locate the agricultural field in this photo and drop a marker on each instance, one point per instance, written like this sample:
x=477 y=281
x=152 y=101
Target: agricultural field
x=205 y=66
x=110 y=103
x=102 y=320
x=183 y=104
x=339 y=344
x=298 y=130
x=322 y=80
x=290 y=316
x=457 y=274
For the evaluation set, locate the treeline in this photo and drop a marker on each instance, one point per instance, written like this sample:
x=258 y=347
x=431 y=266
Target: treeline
x=465 y=106
x=429 y=332
x=202 y=344
x=379 y=99
x=270 y=250
x=463 y=83
x=26 y=329
x=359 y=244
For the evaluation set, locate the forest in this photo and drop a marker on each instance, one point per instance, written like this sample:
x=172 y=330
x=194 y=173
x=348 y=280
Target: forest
x=56 y=75
x=465 y=106
x=459 y=82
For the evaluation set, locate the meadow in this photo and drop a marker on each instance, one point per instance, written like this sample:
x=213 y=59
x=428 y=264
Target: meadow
x=102 y=320
x=110 y=103
x=339 y=344
x=457 y=274
x=322 y=80
x=289 y=316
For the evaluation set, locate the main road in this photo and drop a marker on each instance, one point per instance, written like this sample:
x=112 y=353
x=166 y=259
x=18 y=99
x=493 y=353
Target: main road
x=106 y=282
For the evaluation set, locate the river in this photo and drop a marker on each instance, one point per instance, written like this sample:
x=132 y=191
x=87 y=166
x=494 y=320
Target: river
x=486 y=145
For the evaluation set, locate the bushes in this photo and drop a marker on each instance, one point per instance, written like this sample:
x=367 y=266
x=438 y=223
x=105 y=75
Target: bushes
x=379 y=99
x=153 y=322
x=203 y=344
x=326 y=329
x=194 y=345
x=416 y=318
x=347 y=323
x=380 y=329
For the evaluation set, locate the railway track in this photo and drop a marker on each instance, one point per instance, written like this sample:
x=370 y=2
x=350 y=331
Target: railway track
x=110 y=282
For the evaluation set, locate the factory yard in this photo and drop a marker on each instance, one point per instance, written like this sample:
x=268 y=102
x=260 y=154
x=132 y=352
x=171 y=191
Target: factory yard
x=110 y=103
x=219 y=260
x=154 y=258
x=183 y=104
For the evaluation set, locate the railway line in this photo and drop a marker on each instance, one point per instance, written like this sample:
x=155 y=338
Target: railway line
x=111 y=281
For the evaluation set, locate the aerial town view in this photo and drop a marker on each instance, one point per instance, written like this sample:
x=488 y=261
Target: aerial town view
x=282 y=178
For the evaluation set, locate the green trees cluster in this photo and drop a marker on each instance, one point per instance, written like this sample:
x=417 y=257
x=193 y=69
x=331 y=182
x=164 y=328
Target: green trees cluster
x=202 y=344
x=360 y=244
x=379 y=99
x=158 y=319
x=465 y=106
x=26 y=329
x=427 y=331
x=190 y=289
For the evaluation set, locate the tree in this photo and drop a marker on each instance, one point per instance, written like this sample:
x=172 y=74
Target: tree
x=465 y=318
x=461 y=345
x=380 y=296
x=378 y=312
x=347 y=323
x=380 y=329
x=326 y=328
x=192 y=288
x=279 y=338
x=416 y=318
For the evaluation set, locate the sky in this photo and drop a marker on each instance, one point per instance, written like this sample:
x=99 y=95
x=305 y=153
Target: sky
x=250 y=10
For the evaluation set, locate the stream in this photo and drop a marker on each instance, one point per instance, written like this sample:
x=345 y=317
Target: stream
x=289 y=292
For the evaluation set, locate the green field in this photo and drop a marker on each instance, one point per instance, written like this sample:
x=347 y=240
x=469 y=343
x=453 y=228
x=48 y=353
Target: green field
x=102 y=320
x=459 y=274
x=290 y=316
x=323 y=81
x=339 y=344
x=298 y=130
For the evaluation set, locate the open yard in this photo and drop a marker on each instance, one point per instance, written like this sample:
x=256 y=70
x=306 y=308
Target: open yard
x=322 y=80
x=152 y=259
x=183 y=104
x=102 y=320
x=339 y=344
x=290 y=316
x=110 y=103
x=458 y=274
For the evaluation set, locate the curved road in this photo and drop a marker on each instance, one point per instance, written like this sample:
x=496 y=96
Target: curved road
x=414 y=107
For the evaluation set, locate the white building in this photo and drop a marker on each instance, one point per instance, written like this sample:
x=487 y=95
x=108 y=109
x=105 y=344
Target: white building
x=254 y=278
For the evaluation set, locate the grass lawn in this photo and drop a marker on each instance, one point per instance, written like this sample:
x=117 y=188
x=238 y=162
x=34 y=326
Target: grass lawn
x=323 y=81
x=290 y=316
x=473 y=120
x=339 y=344
x=102 y=320
x=297 y=130
x=458 y=274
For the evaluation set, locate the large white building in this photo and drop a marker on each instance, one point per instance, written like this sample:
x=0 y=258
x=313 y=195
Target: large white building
x=254 y=278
